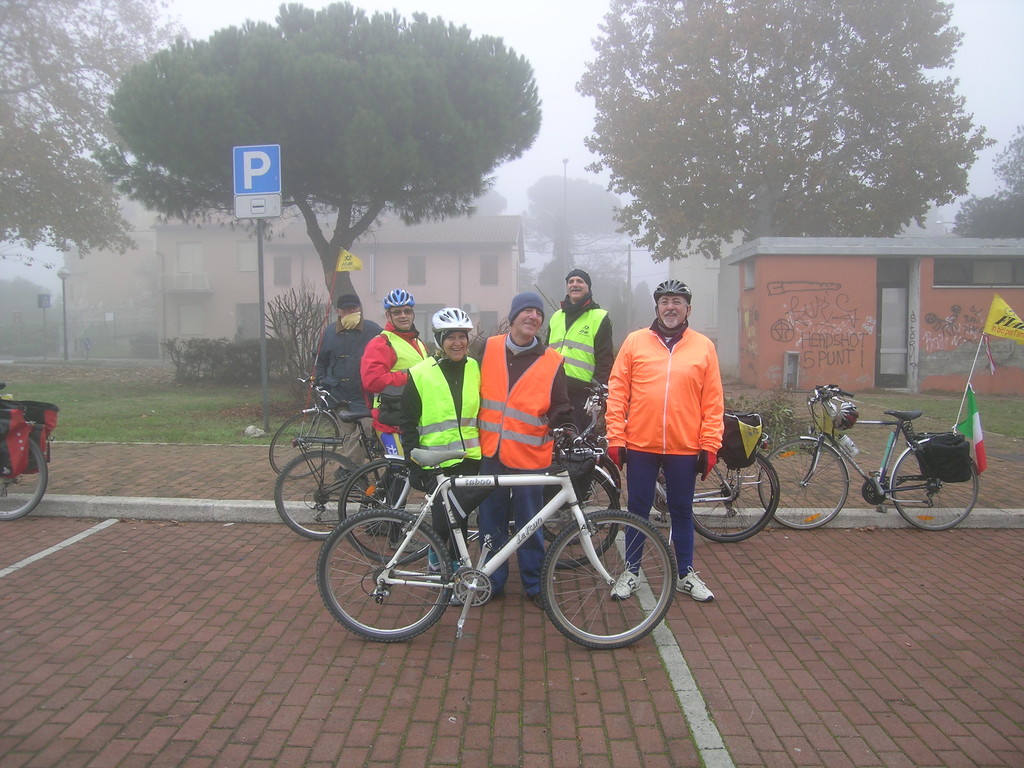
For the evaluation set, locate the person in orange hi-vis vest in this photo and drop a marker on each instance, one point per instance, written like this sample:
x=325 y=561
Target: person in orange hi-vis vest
x=523 y=395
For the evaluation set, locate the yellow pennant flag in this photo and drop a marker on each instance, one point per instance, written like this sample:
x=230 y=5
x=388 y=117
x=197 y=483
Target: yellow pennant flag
x=348 y=262
x=1003 y=321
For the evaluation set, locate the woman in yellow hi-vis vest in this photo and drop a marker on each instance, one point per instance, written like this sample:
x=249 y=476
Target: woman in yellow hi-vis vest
x=440 y=406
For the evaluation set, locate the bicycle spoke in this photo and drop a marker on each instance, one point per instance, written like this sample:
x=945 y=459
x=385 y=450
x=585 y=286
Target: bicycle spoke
x=929 y=503
x=307 y=492
x=813 y=483
x=734 y=504
x=376 y=602
x=579 y=601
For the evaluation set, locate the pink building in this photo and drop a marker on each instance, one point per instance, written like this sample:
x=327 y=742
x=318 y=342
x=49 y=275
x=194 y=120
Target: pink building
x=869 y=313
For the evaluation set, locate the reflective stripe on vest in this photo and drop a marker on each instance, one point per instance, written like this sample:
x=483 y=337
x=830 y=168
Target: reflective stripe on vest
x=407 y=354
x=577 y=344
x=514 y=424
x=439 y=427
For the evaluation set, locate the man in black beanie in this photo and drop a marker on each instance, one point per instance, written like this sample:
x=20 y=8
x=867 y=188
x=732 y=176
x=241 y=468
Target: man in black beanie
x=522 y=397
x=581 y=332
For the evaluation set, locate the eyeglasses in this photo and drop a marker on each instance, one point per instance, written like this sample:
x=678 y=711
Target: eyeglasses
x=402 y=311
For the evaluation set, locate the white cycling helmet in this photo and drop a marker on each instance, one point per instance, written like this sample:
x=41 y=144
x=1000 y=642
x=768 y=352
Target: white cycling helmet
x=447 y=320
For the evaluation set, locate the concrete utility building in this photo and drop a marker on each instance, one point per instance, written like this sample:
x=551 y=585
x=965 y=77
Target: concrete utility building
x=904 y=313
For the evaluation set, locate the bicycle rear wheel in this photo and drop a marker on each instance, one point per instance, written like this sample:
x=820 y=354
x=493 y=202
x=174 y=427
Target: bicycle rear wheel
x=579 y=601
x=308 y=491
x=377 y=485
x=375 y=602
x=929 y=503
x=813 y=482
x=283 y=446
x=734 y=504
x=20 y=495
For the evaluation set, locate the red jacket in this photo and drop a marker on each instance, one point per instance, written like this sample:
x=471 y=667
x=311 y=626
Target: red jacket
x=377 y=368
x=662 y=401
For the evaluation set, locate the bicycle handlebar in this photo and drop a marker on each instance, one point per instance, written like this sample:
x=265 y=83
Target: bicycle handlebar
x=825 y=391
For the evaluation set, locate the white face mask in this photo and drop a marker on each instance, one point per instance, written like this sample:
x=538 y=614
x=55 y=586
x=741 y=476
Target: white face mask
x=350 y=322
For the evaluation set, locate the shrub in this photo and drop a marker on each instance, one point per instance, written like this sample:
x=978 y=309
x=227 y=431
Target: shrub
x=220 y=361
x=777 y=413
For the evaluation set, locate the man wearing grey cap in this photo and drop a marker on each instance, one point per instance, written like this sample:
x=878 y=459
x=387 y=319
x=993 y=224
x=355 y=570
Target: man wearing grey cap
x=581 y=332
x=522 y=396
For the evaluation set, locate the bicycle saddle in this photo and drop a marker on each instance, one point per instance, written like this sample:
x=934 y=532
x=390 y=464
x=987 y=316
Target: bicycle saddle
x=904 y=415
x=428 y=458
x=350 y=416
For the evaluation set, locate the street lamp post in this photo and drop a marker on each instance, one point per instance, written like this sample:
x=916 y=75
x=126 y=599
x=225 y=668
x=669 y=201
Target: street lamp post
x=565 y=217
x=63 y=273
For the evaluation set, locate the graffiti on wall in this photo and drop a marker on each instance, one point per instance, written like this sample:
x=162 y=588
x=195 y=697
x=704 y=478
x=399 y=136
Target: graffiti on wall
x=946 y=333
x=821 y=321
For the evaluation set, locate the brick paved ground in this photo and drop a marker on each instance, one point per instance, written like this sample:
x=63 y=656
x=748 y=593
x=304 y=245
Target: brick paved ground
x=205 y=644
x=243 y=472
x=200 y=644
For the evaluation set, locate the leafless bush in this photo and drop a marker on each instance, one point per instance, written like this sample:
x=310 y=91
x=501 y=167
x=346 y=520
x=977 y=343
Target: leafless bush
x=297 y=319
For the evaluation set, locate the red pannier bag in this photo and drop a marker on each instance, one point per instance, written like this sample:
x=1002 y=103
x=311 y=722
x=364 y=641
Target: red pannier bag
x=14 y=436
x=42 y=418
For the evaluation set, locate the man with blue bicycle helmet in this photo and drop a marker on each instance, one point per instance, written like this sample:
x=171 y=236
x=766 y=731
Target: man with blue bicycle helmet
x=385 y=365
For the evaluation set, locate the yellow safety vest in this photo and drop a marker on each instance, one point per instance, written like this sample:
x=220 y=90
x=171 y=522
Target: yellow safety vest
x=440 y=427
x=407 y=354
x=577 y=345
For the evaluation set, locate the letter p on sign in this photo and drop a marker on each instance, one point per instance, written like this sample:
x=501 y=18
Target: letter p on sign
x=257 y=170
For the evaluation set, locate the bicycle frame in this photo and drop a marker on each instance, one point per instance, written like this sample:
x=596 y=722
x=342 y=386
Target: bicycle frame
x=565 y=495
x=879 y=478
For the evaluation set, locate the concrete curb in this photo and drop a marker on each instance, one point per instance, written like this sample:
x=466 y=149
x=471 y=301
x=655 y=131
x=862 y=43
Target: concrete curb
x=262 y=511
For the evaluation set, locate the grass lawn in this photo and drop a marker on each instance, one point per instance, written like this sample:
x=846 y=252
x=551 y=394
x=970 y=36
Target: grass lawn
x=143 y=404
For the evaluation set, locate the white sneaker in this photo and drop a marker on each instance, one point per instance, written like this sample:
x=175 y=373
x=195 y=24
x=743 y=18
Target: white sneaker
x=692 y=584
x=626 y=585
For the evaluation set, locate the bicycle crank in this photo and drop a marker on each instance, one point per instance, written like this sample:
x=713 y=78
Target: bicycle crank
x=872 y=493
x=471 y=587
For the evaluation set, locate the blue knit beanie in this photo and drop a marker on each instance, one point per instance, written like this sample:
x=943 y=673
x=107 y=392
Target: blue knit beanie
x=523 y=301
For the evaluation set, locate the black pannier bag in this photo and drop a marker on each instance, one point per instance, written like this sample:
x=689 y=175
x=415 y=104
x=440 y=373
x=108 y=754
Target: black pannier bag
x=945 y=455
x=741 y=438
x=390 y=408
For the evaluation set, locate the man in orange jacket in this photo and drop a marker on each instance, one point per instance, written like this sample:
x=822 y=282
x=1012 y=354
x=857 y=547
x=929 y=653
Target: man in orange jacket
x=665 y=414
x=522 y=395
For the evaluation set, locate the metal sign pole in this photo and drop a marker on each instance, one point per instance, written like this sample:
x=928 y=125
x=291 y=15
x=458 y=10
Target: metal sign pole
x=263 y=327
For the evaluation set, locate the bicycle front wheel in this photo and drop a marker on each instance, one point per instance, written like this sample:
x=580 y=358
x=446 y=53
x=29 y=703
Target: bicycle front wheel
x=579 y=601
x=602 y=493
x=734 y=504
x=308 y=491
x=20 y=495
x=284 y=446
x=814 y=482
x=927 y=502
x=372 y=600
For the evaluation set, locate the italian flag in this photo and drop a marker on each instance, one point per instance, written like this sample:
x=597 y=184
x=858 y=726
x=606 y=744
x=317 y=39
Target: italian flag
x=971 y=429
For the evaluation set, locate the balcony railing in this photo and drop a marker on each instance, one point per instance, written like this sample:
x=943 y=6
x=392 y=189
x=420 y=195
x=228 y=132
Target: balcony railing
x=184 y=281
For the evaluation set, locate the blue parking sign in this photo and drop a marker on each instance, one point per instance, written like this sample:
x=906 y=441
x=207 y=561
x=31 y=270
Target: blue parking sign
x=257 y=170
